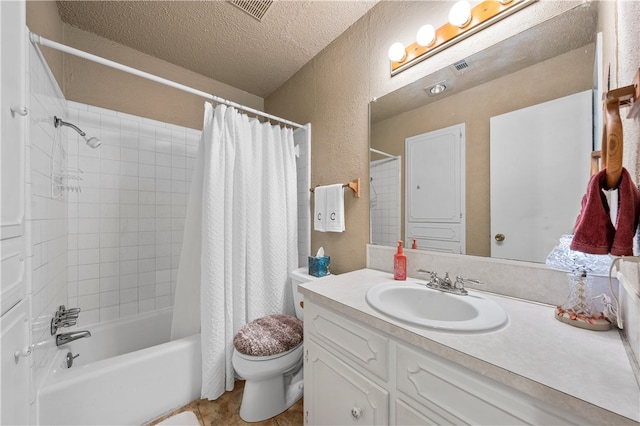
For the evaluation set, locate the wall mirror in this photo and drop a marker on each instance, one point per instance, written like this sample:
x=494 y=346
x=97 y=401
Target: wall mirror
x=552 y=60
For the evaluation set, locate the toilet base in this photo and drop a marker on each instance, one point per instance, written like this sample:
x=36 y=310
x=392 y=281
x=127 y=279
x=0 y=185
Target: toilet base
x=263 y=399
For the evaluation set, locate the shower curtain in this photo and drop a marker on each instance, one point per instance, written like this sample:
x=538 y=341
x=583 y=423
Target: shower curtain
x=240 y=238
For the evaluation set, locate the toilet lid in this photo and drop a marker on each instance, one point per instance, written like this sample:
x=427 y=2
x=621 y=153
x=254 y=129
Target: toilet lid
x=270 y=335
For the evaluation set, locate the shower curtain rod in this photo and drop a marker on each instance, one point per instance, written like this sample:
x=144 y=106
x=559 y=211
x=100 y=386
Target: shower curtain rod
x=35 y=38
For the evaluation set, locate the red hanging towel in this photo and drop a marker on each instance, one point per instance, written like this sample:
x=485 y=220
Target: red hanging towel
x=593 y=232
x=628 y=215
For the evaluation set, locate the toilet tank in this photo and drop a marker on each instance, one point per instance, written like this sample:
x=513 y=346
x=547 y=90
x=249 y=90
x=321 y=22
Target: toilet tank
x=300 y=276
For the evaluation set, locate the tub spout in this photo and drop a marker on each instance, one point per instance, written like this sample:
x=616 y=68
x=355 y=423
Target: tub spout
x=63 y=338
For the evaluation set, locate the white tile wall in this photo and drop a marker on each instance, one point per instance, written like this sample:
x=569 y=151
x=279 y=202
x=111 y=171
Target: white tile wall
x=385 y=201
x=46 y=216
x=126 y=225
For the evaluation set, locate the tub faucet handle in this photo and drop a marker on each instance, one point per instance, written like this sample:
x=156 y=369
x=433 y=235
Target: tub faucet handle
x=64 y=318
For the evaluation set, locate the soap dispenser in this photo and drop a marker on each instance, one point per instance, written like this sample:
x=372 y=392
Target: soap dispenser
x=400 y=264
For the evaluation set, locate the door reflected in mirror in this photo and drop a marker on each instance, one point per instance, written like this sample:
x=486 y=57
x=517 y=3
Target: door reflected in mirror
x=526 y=70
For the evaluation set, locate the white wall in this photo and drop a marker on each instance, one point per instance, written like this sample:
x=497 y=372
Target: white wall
x=46 y=216
x=126 y=226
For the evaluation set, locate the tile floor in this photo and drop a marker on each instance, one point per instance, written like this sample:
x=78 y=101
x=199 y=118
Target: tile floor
x=225 y=411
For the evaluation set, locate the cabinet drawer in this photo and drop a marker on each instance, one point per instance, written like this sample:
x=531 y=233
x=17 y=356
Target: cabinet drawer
x=336 y=394
x=468 y=396
x=359 y=344
x=408 y=415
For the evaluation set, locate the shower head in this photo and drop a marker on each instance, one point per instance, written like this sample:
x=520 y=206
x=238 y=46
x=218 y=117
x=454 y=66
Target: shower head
x=93 y=142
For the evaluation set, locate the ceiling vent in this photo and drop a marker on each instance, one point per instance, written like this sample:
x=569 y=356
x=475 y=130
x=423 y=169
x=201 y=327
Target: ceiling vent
x=255 y=8
x=460 y=65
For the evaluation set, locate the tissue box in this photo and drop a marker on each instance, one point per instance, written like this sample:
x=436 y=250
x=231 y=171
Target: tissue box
x=319 y=266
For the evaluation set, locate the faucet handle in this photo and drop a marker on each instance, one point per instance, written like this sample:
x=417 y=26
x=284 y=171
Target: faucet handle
x=432 y=274
x=433 y=278
x=72 y=311
x=469 y=280
x=67 y=323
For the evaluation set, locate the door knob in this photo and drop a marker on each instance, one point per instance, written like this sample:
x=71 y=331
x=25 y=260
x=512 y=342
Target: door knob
x=499 y=237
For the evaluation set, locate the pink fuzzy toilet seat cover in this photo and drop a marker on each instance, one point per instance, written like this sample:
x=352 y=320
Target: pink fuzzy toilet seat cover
x=270 y=335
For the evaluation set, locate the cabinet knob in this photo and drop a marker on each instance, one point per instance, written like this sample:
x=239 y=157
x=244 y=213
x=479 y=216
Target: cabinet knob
x=356 y=412
x=499 y=237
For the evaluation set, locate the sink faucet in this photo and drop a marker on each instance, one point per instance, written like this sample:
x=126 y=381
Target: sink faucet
x=445 y=284
x=63 y=338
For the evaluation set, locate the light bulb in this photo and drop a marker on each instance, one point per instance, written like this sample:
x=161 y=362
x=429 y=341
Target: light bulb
x=396 y=52
x=426 y=35
x=460 y=14
x=437 y=89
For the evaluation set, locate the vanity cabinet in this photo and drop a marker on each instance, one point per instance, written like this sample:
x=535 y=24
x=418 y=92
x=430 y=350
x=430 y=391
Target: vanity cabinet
x=341 y=395
x=355 y=374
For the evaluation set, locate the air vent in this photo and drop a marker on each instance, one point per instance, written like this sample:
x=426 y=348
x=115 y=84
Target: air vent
x=460 y=65
x=255 y=8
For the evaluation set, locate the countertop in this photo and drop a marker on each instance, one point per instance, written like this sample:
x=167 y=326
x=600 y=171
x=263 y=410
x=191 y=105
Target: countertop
x=585 y=372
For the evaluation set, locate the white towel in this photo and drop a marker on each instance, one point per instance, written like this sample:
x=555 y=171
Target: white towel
x=320 y=208
x=334 y=216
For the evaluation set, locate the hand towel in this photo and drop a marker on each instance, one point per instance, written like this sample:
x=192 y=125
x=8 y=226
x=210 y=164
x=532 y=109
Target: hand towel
x=628 y=215
x=334 y=208
x=593 y=232
x=320 y=208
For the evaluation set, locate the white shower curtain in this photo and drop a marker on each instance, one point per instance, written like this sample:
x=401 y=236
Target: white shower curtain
x=240 y=240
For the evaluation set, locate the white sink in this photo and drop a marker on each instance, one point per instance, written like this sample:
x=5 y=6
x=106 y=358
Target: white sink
x=416 y=304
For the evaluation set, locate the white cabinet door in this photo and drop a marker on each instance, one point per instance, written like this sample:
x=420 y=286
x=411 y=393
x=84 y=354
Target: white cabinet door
x=456 y=395
x=12 y=123
x=435 y=170
x=540 y=166
x=335 y=394
x=15 y=369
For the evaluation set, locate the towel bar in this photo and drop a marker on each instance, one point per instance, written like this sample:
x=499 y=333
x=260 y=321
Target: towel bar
x=354 y=185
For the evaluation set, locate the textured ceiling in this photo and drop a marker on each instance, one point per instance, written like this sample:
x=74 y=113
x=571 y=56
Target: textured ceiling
x=218 y=40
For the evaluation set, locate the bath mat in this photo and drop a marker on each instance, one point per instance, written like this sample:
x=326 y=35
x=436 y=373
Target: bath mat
x=186 y=418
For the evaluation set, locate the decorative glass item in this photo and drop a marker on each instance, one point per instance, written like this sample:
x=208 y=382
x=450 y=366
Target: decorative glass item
x=562 y=258
x=579 y=309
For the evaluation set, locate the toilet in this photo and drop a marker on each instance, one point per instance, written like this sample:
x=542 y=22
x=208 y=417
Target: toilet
x=268 y=356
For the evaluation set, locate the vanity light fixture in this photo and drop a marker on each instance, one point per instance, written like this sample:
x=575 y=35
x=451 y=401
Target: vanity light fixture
x=464 y=21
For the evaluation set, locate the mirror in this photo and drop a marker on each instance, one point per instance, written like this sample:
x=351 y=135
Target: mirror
x=548 y=61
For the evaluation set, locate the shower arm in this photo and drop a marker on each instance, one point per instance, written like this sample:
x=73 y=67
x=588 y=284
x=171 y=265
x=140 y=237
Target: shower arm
x=58 y=123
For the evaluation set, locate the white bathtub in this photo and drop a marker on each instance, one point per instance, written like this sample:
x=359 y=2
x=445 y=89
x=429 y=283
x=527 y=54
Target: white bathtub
x=128 y=372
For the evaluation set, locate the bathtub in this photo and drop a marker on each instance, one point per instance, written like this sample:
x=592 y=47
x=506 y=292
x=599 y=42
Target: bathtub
x=128 y=372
